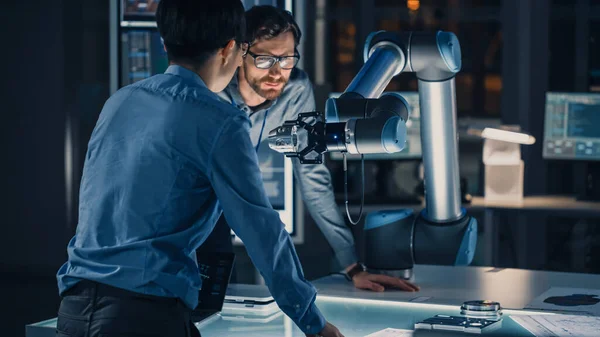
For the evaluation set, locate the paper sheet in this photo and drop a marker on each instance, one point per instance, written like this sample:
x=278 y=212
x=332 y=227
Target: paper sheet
x=568 y=299
x=389 y=332
x=559 y=325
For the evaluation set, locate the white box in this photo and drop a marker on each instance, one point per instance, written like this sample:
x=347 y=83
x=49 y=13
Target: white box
x=504 y=182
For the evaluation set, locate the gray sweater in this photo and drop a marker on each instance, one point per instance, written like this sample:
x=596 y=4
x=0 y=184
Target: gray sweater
x=314 y=181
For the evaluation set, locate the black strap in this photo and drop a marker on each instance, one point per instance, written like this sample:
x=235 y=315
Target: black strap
x=359 y=267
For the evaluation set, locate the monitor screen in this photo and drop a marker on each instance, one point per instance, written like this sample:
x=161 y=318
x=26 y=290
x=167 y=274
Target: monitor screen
x=142 y=55
x=277 y=174
x=572 y=126
x=278 y=179
x=272 y=166
x=412 y=150
x=215 y=272
x=139 y=10
x=141 y=13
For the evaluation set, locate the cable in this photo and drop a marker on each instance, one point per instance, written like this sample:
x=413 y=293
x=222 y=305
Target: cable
x=362 y=197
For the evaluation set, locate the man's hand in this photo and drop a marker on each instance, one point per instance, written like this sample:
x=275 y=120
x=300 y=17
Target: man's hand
x=328 y=331
x=376 y=282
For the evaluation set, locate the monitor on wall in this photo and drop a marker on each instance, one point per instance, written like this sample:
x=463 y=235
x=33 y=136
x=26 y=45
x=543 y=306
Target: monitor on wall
x=572 y=126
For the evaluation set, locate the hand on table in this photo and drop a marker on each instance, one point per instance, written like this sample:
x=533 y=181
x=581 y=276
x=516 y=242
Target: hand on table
x=378 y=282
x=328 y=331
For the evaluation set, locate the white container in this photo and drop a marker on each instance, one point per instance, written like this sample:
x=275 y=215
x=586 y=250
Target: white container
x=504 y=183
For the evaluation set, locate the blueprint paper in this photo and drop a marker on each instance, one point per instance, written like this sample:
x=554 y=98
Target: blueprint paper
x=568 y=299
x=559 y=325
x=389 y=332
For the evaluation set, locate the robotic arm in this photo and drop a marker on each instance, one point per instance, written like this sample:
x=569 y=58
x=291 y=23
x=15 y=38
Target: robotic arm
x=366 y=126
x=363 y=121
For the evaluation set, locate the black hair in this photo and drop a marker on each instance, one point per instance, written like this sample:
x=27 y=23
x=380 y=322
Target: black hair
x=192 y=30
x=267 y=22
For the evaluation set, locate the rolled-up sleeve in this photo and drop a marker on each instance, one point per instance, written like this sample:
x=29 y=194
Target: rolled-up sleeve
x=237 y=181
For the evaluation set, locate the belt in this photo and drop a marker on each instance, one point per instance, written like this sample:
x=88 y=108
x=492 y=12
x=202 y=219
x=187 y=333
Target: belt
x=87 y=288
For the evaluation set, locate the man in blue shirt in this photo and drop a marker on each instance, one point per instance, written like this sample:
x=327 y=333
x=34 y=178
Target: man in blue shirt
x=166 y=156
x=270 y=90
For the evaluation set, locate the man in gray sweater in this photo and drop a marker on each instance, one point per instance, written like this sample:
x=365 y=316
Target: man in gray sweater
x=271 y=90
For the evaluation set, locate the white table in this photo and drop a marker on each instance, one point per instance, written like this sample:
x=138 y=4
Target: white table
x=358 y=313
x=447 y=285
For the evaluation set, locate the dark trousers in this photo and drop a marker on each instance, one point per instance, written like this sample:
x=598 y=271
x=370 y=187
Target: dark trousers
x=91 y=309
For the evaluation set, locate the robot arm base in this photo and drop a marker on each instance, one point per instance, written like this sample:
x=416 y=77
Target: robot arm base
x=396 y=240
x=449 y=243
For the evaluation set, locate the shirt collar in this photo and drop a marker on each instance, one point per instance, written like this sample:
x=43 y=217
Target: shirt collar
x=233 y=90
x=186 y=74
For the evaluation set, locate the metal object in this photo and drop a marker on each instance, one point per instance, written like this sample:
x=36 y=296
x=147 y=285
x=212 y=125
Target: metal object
x=440 y=150
x=376 y=126
x=482 y=309
x=285 y=139
x=378 y=71
x=307 y=130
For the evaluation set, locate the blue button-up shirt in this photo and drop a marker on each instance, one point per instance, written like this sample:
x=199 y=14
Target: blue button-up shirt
x=165 y=157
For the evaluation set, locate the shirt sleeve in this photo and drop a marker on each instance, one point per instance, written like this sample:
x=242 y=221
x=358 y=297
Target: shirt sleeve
x=235 y=176
x=314 y=182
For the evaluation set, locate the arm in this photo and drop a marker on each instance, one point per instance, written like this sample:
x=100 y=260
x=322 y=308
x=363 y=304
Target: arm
x=237 y=181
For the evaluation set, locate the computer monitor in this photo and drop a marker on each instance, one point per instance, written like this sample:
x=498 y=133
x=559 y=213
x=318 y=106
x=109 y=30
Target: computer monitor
x=412 y=150
x=142 y=55
x=572 y=132
x=215 y=272
x=278 y=179
x=141 y=13
x=572 y=126
x=139 y=10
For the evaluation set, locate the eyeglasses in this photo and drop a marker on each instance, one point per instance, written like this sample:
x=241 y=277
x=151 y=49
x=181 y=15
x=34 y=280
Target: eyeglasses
x=267 y=61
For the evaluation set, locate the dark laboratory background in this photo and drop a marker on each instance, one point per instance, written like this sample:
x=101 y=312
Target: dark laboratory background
x=58 y=69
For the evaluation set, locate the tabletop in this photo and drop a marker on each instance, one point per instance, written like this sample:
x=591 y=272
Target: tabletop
x=358 y=313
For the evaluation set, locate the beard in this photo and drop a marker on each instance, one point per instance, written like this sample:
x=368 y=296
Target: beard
x=268 y=93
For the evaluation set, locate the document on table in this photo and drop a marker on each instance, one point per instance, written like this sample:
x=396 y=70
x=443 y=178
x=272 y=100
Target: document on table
x=559 y=325
x=389 y=332
x=568 y=299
